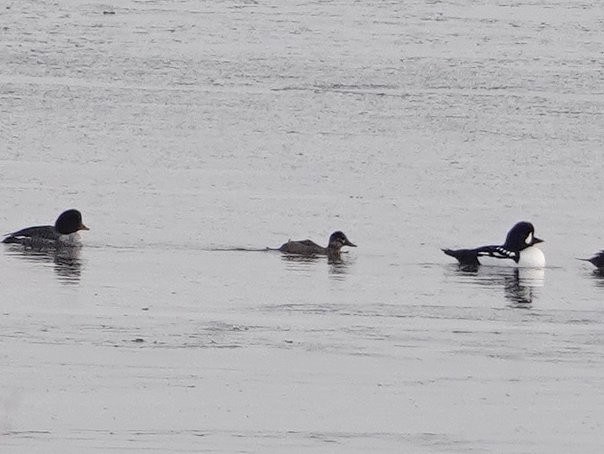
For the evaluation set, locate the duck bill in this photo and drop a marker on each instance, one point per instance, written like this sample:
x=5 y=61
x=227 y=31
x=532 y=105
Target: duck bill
x=83 y=227
x=348 y=243
x=536 y=240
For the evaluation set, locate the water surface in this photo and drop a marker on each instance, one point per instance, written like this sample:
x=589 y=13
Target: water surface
x=182 y=129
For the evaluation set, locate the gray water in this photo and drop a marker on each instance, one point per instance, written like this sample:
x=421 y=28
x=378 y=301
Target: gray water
x=181 y=129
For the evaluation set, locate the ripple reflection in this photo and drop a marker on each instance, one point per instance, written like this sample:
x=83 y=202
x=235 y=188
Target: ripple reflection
x=339 y=267
x=598 y=275
x=66 y=261
x=520 y=285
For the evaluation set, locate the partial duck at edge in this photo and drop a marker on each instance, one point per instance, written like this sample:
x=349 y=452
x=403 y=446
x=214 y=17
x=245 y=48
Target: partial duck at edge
x=597 y=260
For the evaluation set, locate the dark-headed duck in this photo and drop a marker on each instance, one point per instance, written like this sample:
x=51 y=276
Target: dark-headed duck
x=63 y=233
x=519 y=246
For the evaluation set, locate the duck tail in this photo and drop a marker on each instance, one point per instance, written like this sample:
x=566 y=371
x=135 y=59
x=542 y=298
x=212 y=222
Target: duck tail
x=465 y=257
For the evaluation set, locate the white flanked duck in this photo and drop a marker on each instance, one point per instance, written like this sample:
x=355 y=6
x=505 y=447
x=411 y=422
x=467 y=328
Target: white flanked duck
x=520 y=246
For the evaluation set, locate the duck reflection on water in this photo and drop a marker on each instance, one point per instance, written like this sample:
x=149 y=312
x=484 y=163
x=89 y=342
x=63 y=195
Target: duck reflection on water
x=339 y=266
x=66 y=261
x=520 y=285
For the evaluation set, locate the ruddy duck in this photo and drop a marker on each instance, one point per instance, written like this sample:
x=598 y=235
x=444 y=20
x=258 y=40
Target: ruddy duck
x=307 y=247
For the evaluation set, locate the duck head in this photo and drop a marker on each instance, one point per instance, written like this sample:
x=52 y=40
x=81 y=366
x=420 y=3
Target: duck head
x=70 y=221
x=337 y=240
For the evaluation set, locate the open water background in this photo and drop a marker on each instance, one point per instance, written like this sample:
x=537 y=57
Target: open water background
x=183 y=128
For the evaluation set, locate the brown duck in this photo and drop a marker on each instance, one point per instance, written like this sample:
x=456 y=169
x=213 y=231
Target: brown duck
x=307 y=247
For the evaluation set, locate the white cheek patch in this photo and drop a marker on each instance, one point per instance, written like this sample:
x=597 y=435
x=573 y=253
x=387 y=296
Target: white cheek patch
x=529 y=238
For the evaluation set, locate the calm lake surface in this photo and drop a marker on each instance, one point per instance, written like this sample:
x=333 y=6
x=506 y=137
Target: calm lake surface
x=192 y=133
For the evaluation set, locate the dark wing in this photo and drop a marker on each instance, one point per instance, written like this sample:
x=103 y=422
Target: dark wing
x=307 y=243
x=300 y=247
x=42 y=232
x=499 y=252
x=469 y=257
